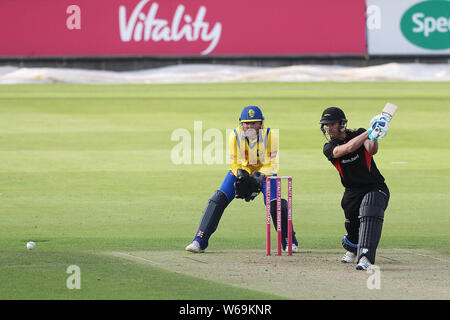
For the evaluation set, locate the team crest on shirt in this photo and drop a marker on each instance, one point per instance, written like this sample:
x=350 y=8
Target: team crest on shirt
x=251 y=113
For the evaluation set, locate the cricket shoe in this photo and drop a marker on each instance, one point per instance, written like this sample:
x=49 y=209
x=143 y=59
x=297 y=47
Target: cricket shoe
x=349 y=257
x=294 y=248
x=194 y=247
x=364 y=264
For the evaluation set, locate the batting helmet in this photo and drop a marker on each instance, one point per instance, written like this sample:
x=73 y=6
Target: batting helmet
x=332 y=115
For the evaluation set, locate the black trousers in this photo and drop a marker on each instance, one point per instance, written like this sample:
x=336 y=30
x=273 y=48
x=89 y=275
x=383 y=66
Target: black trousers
x=351 y=204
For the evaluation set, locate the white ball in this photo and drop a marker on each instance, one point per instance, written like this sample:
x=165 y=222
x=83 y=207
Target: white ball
x=31 y=245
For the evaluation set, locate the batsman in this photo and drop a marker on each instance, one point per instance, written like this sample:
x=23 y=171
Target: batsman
x=253 y=154
x=366 y=194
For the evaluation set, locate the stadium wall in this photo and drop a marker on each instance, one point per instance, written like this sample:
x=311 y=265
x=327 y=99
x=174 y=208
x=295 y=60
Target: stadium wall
x=138 y=63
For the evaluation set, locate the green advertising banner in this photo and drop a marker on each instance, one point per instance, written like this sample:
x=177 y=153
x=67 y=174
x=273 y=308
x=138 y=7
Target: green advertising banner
x=408 y=27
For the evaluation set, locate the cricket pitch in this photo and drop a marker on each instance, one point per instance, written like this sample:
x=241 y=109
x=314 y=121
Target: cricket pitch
x=403 y=274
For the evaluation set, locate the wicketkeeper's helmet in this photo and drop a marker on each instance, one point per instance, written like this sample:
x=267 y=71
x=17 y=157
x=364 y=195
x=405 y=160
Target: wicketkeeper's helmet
x=251 y=114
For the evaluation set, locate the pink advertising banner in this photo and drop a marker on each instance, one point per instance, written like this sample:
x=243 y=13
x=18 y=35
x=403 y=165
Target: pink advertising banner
x=181 y=27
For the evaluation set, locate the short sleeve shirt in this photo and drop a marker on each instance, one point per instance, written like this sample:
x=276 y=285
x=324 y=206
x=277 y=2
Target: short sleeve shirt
x=356 y=169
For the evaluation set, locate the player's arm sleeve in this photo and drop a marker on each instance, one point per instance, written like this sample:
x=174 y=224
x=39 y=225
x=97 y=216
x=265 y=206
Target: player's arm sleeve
x=270 y=166
x=328 y=151
x=234 y=156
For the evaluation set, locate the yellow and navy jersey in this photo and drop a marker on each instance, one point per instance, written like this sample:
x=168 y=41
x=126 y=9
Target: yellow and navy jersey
x=259 y=154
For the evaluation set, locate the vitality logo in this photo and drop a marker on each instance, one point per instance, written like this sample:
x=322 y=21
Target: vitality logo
x=144 y=24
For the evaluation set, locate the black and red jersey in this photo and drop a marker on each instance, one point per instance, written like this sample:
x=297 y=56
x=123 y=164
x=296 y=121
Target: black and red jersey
x=357 y=169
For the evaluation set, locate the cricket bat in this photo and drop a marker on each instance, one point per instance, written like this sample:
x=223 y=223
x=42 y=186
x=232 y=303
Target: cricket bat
x=389 y=111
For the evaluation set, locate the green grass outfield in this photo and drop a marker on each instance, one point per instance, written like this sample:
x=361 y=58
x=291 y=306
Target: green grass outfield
x=88 y=169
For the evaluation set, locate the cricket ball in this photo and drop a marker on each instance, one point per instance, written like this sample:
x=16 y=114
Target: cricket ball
x=31 y=245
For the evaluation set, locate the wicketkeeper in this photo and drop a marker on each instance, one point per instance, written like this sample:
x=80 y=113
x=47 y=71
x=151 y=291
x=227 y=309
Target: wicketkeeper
x=366 y=195
x=253 y=156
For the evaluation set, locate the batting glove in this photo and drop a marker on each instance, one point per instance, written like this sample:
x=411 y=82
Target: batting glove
x=377 y=118
x=371 y=137
x=378 y=130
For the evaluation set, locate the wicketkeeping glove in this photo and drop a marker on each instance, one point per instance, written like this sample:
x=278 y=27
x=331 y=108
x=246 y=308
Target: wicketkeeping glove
x=248 y=187
x=258 y=179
